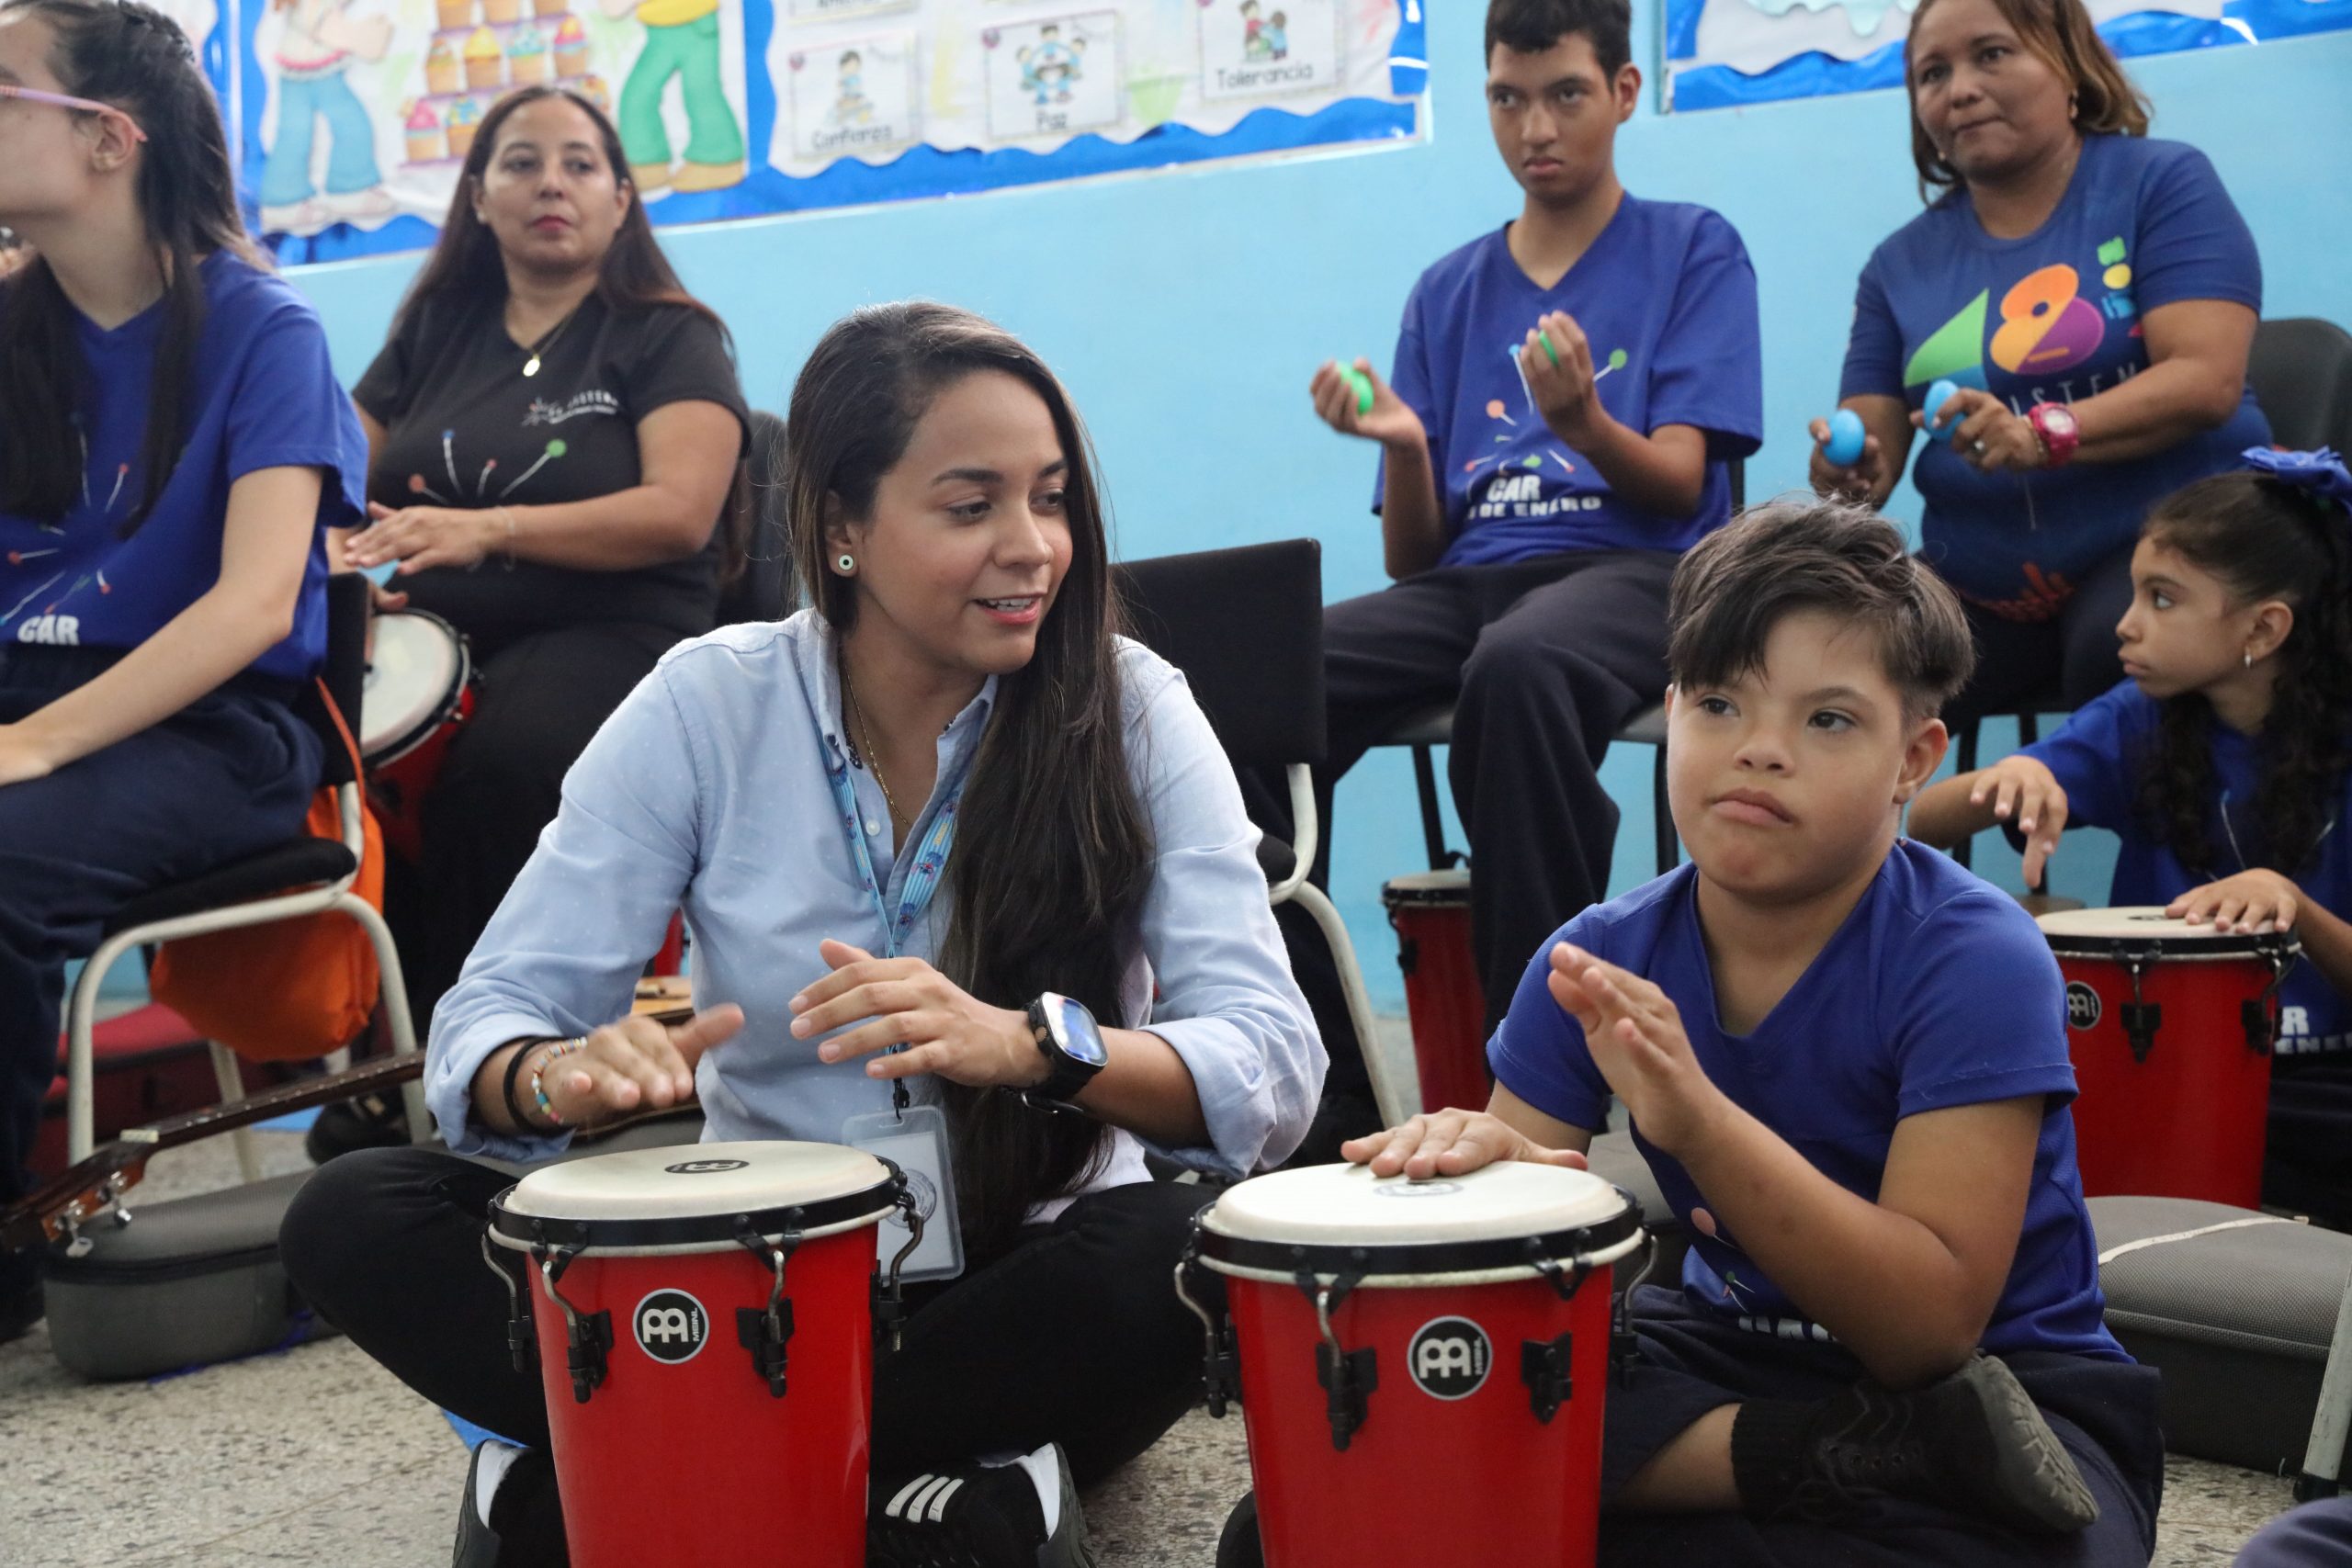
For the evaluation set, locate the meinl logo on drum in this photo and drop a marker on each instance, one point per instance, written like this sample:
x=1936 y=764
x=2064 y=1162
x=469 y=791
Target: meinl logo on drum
x=1449 y=1357
x=2082 y=1005
x=670 y=1326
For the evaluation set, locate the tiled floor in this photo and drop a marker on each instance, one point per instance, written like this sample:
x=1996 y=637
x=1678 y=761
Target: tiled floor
x=317 y=1457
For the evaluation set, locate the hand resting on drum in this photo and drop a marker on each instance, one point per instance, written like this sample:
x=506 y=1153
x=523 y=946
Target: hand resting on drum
x=905 y=1001
x=1452 y=1142
x=2018 y=789
x=2249 y=903
x=629 y=1065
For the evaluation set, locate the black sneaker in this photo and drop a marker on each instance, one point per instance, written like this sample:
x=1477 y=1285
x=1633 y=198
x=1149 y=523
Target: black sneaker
x=1974 y=1443
x=1238 y=1546
x=1022 y=1513
x=477 y=1542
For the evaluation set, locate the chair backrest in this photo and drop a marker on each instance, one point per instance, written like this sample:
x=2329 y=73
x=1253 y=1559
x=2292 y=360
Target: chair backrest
x=1738 y=466
x=1245 y=627
x=345 y=672
x=764 y=591
x=2301 y=372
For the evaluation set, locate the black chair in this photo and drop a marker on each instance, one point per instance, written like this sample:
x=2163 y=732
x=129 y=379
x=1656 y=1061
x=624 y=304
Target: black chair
x=302 y=876
x=2300 y=371
x=1245 y=627
x=764 y=591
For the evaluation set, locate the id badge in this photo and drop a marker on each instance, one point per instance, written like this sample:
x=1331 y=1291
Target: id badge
x=915 y=1140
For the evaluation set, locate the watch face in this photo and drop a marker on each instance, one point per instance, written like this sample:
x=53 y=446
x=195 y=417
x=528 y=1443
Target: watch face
x=2059 y=419
x=1075 y=1033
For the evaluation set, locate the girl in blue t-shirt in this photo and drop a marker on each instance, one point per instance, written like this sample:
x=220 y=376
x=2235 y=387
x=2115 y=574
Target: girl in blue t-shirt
x=2091 y=292
x=2222 y=764
x=172 y=440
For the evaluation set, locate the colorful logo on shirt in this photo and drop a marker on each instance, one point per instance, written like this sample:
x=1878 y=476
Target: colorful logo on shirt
x=2046 y=325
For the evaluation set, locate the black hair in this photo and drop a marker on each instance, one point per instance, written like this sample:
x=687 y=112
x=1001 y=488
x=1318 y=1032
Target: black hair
x=2264 y=539
x=1531 y=26
x=1737 y=583
x=134 y=58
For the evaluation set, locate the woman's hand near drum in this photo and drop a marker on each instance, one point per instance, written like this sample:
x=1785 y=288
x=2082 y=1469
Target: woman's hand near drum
x=2250 y=903
x=634 y=1064
x=421 y=536
x=1456 y=1142
x=905 y=1001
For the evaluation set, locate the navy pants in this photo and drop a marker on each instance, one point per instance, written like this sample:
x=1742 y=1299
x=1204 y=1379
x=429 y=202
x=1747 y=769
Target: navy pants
x=1543 y=660
x=228 y=776
x=1686 y=1364
x=2075 y=652
x=2317 y=1535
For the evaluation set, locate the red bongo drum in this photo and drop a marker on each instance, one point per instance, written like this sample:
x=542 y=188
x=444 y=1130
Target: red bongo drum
x=1430 y=910
x=419 y=690
x=2171 y=1027
x=1418 y=1361
x=704 y=1323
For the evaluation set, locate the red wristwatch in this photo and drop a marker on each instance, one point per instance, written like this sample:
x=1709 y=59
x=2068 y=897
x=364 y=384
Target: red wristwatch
x=2061 y=433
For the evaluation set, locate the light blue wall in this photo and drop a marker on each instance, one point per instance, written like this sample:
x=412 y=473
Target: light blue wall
x=1186 y=310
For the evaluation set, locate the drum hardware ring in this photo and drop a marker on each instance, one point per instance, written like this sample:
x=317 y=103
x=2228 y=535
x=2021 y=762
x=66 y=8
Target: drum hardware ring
x=1565 y=1282
x=1220 y=1361
x=2260 y=1016
x=1349 y=1377
x=2141 y=1019
x=522 y=1337
x=1544 y=1367
x=1621 y=1339
x=766 y=1331
x=889 y=1307
x=587 y=1335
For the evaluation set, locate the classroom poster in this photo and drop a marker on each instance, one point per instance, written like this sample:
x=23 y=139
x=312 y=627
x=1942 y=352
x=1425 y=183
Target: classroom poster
x=1053 y=76
x=853 y=96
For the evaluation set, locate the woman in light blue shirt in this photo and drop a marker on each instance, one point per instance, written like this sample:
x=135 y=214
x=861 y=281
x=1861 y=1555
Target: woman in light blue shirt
x=957 y=713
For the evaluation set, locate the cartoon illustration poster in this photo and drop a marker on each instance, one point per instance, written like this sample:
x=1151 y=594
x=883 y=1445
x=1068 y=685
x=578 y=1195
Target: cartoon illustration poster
x=360 y=112
x=1053 y=77
x=853 y=96
x=1253 y=48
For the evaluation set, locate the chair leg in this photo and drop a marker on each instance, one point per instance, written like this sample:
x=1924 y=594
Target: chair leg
x=1398 y=1103
x=2323 y=1459
x=81 y=1066
x=231 y=1079
x=393 y=986
x=1432 y=824
x=1964 y=742
x=1669 y=848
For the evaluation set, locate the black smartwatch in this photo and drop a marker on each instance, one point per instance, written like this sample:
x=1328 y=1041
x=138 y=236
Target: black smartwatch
x=1066 y=1037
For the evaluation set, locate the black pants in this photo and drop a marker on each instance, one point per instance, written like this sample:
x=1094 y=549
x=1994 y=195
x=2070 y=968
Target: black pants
x=2077 y=652
x=1543 y=660
x=543 y=697
x=1074 y=1336
x=227 y=776
x=1685 y=1365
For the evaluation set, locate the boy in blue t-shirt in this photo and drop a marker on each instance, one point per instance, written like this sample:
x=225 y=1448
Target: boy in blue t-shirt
x=1570 y=391
x=1844 y=1059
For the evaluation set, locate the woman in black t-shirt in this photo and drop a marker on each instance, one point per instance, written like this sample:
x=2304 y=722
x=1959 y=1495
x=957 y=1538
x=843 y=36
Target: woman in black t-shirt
x=555 y=431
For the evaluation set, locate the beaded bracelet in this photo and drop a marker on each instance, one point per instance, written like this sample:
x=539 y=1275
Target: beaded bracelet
x=539 y=1073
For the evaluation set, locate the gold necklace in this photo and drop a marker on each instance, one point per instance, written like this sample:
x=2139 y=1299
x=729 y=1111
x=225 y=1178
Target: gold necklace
x=873 y=759
x=547 y=341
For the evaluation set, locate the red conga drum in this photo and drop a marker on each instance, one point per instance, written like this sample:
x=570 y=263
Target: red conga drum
x=2171 y=1027
x=704 y=1319
x=419 y=690
x=1422 y=1364
x=1447 y=1007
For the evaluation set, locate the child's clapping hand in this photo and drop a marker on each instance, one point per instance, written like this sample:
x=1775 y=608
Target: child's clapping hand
x=1635 y=1036
x=2249 y=903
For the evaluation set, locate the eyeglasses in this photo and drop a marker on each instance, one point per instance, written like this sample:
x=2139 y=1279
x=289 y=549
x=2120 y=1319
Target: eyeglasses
x=67 y=101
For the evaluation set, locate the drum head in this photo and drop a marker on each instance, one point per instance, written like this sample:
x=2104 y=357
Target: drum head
x=692 y=1194
x=2144 y=927
x=1341 y=1218
x=414 y=675
x=1451 y=886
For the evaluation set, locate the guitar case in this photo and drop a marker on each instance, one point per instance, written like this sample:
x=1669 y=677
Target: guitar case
x=191 y=1281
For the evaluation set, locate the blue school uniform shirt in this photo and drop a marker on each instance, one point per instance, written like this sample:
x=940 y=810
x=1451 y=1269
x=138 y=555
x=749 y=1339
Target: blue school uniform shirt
x=2096 y=757
x=1667 y=299
x=2053 y=316
x=1937 y=991
x=260 y=394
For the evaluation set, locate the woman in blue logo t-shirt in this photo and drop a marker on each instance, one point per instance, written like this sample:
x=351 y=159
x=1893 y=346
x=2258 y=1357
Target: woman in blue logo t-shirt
x=2088 y=294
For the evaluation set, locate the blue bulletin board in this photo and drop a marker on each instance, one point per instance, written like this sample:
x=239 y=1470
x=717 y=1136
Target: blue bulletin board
x=1720 y=53
x=352 y=118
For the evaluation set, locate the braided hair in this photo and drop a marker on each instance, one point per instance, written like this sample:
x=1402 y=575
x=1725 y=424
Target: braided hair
x=133 y=57
x=2264 y=538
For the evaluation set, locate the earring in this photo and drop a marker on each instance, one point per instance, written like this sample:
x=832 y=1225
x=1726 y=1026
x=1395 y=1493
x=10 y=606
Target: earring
x=844 y=563
x=2248 y=658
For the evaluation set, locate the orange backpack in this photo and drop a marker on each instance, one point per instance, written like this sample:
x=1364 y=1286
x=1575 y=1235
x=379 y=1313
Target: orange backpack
x=292 y=988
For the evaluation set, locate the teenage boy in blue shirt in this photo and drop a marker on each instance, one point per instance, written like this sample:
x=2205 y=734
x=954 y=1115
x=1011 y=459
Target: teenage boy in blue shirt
x=1568 y=394
x=1844 y=1059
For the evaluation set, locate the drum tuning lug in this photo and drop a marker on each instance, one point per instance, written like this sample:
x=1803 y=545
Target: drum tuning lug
x=587 y=1335
x=764 y=1332
x=1544 y=1367
x=1350 y=1377
x=522 y=1339
x=1220 y=1363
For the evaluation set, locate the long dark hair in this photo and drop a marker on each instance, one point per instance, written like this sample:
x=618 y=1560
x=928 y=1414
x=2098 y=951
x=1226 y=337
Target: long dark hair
x=135 y=57
x=2264 y=539
x=2063 y=34
x=1053 y=853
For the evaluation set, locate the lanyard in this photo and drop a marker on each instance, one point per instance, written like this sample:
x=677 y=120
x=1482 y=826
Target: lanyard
x=923 y=878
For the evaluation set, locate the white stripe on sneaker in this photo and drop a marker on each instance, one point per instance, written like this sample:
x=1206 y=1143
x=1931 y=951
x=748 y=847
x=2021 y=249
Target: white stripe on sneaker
x=906 y=1492
x=939 y=1500
x=938 y=1483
